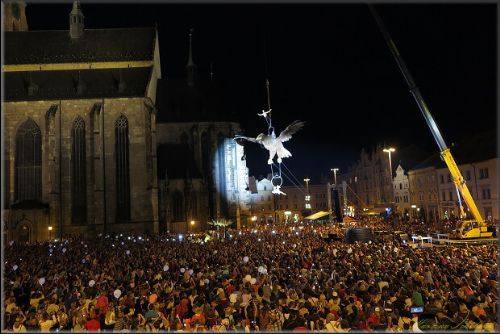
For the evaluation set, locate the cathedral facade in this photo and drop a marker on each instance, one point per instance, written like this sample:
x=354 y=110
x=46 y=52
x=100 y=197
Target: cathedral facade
x=83 y=138
x=202 y=172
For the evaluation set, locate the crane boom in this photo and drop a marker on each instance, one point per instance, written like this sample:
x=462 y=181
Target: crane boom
x=446 y=155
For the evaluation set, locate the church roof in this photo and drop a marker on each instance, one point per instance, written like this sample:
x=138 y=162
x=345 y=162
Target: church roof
x=75 y=84
x=95 y=45
x=177 y=160
x=176 y=101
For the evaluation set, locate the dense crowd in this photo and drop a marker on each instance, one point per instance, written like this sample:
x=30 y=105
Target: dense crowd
x=275 y=278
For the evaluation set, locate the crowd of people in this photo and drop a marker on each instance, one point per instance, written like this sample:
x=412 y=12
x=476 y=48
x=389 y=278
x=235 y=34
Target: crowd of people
x=271 y=278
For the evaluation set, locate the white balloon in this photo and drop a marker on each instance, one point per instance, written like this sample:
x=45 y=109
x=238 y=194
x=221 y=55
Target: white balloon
x=253 y=280
x=128 y=252
x=190 y=272
x=165 y=268
x=261 y=268
x=15 y=267
x=207 y=281
x=117 y=293
x=183 y=270
x=264 y=271
x=245 y=259
x=215 y=251
x=91 y=283
x=64 y=250
x=349 y=250
x=41 y=281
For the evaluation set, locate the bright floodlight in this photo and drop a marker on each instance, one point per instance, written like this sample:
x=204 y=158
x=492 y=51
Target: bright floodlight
x=390 y=149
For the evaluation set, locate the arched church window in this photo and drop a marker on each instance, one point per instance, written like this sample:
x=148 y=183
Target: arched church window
x=194 y=206
x=178 y=206
x=122 y=169
x=78 y=169
x=205 y=153
x=184 y=139
x=28 y=163
x=222 y=173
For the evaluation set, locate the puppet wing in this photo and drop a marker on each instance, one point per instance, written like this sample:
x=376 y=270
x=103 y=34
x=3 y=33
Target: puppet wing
x=240 y=139
x=290 y=130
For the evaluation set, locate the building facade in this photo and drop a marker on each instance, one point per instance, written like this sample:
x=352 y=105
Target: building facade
x=369 y=182
x=481 y=179
x=401 y=191
x=423 y=193
x=262 y=203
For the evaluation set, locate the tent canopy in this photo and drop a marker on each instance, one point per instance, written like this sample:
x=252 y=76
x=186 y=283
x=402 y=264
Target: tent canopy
x=317 y=215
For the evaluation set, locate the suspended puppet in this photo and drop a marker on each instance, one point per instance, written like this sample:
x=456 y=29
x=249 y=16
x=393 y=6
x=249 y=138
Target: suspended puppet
x=274 y=145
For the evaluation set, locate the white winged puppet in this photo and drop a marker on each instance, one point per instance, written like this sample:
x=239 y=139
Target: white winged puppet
x=275 y=144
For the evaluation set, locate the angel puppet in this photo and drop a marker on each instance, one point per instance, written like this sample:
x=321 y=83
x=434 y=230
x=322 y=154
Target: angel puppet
x=275 y=144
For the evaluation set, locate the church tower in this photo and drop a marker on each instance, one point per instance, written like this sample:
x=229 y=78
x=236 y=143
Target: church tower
x=190 y=66
x=15 y=16
x=76 y=21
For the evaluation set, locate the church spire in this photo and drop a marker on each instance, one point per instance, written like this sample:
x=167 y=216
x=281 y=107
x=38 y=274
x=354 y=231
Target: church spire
x=76 y=21
x=190 y=66
x=15 y=16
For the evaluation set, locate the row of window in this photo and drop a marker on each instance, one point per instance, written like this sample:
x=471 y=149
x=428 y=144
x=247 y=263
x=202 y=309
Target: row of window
x=402 y=199
x=28 y=167
x=295 y=206
x=401 y=186
x=483 y=174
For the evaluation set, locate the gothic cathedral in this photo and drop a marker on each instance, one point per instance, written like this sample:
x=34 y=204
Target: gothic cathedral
x=95 y=141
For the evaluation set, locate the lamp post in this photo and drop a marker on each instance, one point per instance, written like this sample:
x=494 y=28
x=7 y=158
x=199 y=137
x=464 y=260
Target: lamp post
x=308 y=197
x=334 y=170
x=50 y=232
x=389 y=151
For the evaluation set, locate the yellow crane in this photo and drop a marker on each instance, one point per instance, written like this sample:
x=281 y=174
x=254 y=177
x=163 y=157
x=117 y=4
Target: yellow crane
x=477 y=227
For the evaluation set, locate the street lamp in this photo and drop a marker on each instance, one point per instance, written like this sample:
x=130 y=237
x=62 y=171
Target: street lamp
x=50 y=232
x=334 y=170
x=308 y=197
x=389 y=150
x=306 y=180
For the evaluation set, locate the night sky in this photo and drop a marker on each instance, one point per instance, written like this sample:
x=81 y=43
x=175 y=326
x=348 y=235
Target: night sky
x=329 y=66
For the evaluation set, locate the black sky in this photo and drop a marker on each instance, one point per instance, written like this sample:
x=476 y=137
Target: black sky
x=329 y=66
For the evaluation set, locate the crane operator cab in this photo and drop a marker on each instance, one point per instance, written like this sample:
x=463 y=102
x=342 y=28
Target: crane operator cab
x=468 y=229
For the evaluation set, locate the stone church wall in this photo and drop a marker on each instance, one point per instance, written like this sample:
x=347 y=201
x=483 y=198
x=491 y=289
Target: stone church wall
x=141 y=165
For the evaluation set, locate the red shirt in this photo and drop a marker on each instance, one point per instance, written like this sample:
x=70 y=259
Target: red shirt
x=102 y=303
x=230 y=289
x=300 y=329
x=92 y=325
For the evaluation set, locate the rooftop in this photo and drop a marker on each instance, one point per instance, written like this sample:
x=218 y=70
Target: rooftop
x=76 y=84
x=96 y=45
